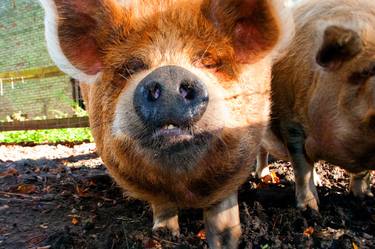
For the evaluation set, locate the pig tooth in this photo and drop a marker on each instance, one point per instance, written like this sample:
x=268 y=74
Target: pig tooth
x=168 y=127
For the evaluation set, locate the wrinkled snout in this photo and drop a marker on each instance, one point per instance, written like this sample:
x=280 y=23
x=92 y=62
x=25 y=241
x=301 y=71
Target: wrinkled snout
x=170 y=95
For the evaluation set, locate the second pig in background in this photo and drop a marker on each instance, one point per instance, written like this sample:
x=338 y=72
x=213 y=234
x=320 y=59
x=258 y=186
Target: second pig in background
x=324 y=96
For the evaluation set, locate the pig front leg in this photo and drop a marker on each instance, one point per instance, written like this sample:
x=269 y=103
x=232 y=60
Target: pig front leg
x=166 y=216
x=360 y=184
x=222 y=221
x=262 y=168
x=306 y=193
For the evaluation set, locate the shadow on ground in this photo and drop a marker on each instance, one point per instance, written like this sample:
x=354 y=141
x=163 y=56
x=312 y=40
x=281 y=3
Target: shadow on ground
x=71 y=202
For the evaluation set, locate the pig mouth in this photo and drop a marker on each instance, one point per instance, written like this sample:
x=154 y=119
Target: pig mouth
x=176 y=147
x=174 y=133
x=173 y=138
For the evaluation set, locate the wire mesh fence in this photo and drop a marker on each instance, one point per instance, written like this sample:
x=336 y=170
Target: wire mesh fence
x=34 y=94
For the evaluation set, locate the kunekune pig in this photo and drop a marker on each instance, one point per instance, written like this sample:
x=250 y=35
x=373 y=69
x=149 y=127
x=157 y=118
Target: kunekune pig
x=323 y=94
x=179 y=95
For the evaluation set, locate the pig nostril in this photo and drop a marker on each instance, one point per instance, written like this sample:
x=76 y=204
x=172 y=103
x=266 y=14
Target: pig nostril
x=187 y=91
x=154 y=92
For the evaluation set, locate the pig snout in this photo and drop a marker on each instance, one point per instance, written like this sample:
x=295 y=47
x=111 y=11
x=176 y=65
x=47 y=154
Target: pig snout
x=170 y=95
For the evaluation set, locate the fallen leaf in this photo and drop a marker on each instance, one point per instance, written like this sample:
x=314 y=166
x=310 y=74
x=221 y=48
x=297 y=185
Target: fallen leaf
x=81 y=192
x=354 y=245
x=272 y=178
x=26 y=188
x=47 y=189
x=75 y=221
x=308 y=232
x=92 y=183
x=275 y=178
x=9 y=172
x=152 y=244
x=202 y=235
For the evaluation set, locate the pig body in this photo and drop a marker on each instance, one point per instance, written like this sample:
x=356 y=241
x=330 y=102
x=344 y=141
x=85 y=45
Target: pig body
x=178 y=95
x=323 y=94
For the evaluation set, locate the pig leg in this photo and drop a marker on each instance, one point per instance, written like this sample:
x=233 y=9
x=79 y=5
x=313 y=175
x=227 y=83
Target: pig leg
x=306 y=193
x=262 y=163
x=222 y=221
x=166 y=216
x=262 y=168
x=360 y=184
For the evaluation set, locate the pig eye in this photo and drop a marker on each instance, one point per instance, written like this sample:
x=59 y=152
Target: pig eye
x=206 y=60
x=134 y=65
x=211 y=63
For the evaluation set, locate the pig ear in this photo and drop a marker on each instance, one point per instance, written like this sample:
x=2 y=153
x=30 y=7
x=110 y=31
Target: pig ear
x=339 y=46
x=75 y=33
x=255 y=27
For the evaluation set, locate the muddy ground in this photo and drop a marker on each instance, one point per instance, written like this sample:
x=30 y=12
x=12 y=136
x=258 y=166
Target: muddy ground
x=56 y=196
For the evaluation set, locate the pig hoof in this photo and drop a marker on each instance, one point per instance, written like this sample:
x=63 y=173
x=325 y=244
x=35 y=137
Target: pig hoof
x=228 y=239
x=167 y=224
x=369 y=194
x=313 y=204
x=308 y=201
x=166 y=218
x=163 y=231
x=360 y=185
x=360 y=193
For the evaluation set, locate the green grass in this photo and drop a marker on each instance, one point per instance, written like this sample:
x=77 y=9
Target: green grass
x=47 y=136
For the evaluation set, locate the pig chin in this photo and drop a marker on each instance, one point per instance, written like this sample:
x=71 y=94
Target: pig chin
x=176 y=147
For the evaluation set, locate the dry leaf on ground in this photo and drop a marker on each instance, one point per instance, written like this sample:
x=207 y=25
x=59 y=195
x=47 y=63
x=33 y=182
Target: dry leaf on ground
x=9 y=172
x=152 y=244
x=81 y=192
x=355 y=246
x=26 y=188
x=75 y=221
x=308 y=232
x=201 y=235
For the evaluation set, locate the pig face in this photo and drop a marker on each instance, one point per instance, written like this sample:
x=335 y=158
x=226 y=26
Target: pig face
x=179 y=93
x=347 y=59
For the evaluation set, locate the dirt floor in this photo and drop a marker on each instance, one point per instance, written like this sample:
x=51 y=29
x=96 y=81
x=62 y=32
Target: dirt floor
x=62 y=197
